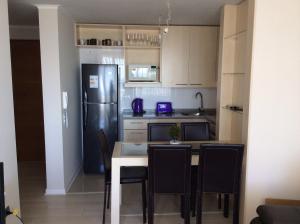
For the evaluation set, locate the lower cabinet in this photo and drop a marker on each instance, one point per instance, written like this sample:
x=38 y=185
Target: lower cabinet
x=135 y=130
x=135 y=135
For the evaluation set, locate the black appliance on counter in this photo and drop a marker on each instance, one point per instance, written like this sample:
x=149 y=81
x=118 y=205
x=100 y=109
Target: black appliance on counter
x=100 y=111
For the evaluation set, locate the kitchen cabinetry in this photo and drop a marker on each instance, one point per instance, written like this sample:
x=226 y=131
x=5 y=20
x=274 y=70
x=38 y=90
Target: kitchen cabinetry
x=186 y=55
x=140 y=44
x=135 y=130
x=203 y=56
x=233 y=75
x=189 y=56
x=175 y=56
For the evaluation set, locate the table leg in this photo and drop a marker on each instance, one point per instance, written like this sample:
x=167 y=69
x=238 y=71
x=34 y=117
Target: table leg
x=115 y=192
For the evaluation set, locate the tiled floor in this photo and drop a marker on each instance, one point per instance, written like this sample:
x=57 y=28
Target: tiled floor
x=84 y=202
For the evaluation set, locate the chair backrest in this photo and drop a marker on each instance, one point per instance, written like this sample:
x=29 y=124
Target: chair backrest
x=169 y=168
x=104 y=150
x=159 y=131
x=220 y=168
x=198 y=131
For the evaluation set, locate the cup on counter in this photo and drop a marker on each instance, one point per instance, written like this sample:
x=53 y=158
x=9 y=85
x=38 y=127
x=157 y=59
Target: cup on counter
x=82 y=42
x=114 y=43
x=108 y=42
x=119 y=43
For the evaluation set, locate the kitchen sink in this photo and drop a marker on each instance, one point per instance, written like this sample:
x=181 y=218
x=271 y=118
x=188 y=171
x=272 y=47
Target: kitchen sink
x=193 y=114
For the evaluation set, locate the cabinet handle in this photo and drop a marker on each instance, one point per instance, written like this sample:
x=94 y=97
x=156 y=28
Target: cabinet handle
x=199 y=84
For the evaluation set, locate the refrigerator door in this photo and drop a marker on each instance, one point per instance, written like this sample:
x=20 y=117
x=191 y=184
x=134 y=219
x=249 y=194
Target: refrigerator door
x=99 y=83
x=98 y=116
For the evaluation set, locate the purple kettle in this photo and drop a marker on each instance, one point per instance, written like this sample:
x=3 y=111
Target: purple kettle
x=137 y=106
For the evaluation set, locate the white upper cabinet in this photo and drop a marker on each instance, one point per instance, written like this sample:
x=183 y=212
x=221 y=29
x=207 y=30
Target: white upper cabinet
x=175 y=56
x=203 y=56
x=189 y=56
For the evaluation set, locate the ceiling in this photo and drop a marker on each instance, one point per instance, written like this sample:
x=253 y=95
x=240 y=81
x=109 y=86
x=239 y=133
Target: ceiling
x=184 y=12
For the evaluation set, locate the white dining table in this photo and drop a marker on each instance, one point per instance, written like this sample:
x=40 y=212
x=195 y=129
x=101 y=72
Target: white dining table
x=134 y=154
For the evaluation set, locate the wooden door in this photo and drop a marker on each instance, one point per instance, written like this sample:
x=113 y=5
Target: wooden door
x=28 y=103
x=203 y=55
x=175 y=57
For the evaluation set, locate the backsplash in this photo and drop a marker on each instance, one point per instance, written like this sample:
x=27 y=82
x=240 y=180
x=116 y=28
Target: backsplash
x=180 y=97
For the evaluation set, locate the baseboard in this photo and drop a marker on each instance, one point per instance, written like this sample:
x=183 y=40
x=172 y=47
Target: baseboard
x=76 y=173
x=55 y=192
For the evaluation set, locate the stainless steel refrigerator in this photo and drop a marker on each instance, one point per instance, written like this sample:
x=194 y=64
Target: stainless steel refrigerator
x=100 y=111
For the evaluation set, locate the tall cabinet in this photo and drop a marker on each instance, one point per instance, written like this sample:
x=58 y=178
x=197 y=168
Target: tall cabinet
x=234 y=72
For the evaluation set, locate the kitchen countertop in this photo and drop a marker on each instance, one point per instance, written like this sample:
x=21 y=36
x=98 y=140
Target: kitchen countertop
x=209 y=114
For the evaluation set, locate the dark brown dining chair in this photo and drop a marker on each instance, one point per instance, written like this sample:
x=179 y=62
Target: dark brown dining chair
x=129 y=175
x=219 y=171
x=195 y=131
x=169 y=172
x=159 y=131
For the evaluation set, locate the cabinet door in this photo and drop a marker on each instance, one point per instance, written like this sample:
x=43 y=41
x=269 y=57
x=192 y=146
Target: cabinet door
x=135 y=135
x=203 y=56
x=175 y=56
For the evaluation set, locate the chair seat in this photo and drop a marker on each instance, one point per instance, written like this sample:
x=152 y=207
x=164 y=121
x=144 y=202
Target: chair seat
x=131 y=175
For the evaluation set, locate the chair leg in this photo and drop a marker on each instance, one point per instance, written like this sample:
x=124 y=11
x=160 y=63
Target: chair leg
x=226 y=206
x=144 y=200
x=219 y=201
x=104 y=204
x=182 y=206
x=193 y=200
x=236 y=208
x=199 y=208
x=108 y=197
x=150 y=208
x=194 y=189
x=187 y=209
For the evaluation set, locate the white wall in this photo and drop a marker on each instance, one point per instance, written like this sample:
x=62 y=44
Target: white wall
x=70 y=82
x=274 y=123
x=60 y=72
x=24 y=32
x=7 y=125
x=49 y=42
x=181 y=98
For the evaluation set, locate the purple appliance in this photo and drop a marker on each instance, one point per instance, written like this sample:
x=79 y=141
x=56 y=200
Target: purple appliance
x=164 y=108
x=137 y=106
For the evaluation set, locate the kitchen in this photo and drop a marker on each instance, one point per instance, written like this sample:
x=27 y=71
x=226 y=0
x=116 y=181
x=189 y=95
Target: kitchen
x=182 y=63
x=170 y=74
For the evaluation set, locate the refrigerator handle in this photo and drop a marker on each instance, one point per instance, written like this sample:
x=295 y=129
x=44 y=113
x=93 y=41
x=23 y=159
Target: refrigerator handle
x=86 y=115
x=85 y=110
x=85 y=97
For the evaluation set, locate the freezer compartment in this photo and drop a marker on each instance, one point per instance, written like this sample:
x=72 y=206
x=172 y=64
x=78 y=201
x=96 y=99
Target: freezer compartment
x=99 y=83
x=96 y=117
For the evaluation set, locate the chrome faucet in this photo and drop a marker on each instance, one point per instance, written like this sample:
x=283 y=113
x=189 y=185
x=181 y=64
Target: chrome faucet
x=201 y=108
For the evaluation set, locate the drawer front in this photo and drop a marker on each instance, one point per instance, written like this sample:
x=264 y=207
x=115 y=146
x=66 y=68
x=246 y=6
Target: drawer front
x=135 y=124
x=135 y=135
